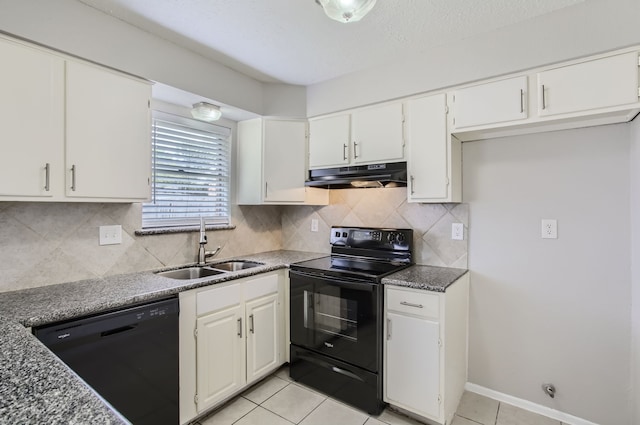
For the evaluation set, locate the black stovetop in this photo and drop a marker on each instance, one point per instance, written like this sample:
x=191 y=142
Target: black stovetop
x=362 y=253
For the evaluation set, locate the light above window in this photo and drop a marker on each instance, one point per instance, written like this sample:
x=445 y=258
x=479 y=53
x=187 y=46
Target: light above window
x=204 y=111
x=346 y=10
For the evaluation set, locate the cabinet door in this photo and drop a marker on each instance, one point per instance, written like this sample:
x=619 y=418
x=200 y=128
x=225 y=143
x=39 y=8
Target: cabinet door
x=428 y=160
x=262 y=336
x=412 y=376
x=220 y=355
x=31 y=114
x=376 y=134
x=329 y=141
x=284 y=160
x=490 y=103
x=600 y=83
x=108 y=134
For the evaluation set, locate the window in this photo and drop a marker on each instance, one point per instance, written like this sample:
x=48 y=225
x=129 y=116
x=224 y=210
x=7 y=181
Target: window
x=190 y=173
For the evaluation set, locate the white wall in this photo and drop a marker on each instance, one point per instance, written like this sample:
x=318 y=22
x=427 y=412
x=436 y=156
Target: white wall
x=591 y=27
x=545 y=310
x=73 y=27
x=635 y=265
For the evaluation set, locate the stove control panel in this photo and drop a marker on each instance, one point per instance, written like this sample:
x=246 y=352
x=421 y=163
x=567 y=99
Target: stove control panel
x=372 y=238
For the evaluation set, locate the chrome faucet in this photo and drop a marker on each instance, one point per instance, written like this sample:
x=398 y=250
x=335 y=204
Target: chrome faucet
x=202 y=253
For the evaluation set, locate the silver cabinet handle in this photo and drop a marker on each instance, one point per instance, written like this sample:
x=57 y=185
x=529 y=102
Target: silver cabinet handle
x=47 y=175
x=355 y=150
x=411 y=304
x=73 y=178
x=240 y=327
x=344 y=151
x=544 y=101
x=388 y=329
x=251 y=324
x=521 y=101
x=412 y=185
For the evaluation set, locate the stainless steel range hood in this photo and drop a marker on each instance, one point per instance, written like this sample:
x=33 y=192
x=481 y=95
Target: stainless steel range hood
x=373 y=175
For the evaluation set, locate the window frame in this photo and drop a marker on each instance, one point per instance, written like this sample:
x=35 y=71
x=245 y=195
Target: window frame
x=220 y=132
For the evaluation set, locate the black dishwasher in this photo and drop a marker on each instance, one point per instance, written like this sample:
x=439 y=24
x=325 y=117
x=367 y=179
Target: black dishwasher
x=130 y=357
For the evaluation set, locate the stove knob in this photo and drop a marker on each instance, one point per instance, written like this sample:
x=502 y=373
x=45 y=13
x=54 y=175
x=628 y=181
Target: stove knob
x=400 y=238
x=391 y=237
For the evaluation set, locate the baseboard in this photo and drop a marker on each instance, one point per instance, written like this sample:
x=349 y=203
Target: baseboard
x=527 y=405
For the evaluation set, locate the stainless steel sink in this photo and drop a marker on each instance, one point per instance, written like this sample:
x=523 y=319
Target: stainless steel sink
x=209 y=270
x=190 y=273
x=232 y=266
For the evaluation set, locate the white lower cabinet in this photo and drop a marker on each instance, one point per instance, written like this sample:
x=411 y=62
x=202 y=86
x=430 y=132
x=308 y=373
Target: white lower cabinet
x=263 y=350
x=425 y=351
x=231 y=335
x=220 y=355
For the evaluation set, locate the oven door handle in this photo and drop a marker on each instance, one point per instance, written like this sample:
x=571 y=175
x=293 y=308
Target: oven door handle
x=328 y=365
x=358 y=286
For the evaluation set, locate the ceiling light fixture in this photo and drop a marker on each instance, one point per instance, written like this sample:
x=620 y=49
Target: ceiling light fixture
x=204 y=111
x=346 y=10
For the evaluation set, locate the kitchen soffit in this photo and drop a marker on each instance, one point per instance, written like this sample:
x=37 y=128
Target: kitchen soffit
x=292 y=41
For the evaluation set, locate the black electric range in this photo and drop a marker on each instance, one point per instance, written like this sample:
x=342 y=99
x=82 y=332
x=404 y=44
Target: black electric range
x=336 y=313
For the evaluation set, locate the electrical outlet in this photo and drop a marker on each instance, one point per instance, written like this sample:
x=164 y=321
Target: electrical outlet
x=111 y=235
x=457 y=231
x=549 y=228
x=314 y=224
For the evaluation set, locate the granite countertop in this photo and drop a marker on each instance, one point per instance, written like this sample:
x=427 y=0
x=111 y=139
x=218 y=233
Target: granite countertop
x=429 y=278
x=36 y=387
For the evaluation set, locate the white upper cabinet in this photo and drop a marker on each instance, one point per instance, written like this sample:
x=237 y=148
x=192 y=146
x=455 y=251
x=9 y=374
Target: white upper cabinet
x=430 y=152
x=32 y=117
x=329 y=141
x=108 y=136
x=272 y=163
x=73 y=131
x=596 y=84
x=284 y=160
x=365 y=136
x=490 y=103
x=377 y=134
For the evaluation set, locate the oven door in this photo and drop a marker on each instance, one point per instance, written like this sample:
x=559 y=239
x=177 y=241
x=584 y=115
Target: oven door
x=339 y=318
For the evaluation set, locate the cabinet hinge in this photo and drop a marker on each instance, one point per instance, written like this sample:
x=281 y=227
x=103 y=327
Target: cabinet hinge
x=453 y=98
x=195 y=398
x=638 y=91
x=439 y=399
x=446 y=109
x=439 y=342
x=638 y=60
x=148 y=104
x=195 y=333
x=454 y=120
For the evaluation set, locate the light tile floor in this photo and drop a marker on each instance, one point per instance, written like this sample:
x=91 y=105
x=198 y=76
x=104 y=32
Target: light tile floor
x=279 y=401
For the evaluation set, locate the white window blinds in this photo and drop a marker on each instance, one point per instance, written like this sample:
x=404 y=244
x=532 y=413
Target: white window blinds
x=190 y=176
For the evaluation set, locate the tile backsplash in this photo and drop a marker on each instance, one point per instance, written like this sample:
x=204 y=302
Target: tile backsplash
x=48 y=243
x=387 y=207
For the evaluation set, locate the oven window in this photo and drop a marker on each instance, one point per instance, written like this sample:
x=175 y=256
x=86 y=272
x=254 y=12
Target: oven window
x=332 y=315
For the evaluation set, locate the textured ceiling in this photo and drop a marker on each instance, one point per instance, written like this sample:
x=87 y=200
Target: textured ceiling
x=292 y=41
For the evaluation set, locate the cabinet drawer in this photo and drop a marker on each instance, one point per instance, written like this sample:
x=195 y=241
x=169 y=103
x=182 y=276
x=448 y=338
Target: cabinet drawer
x=217 y=298
x=260 y=286
x=421 y=303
